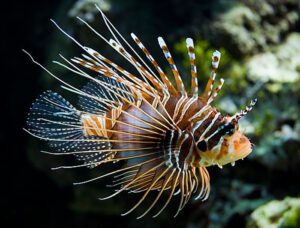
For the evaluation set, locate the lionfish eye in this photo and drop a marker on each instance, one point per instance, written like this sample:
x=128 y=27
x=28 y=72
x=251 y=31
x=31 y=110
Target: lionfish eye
x=227 y=129
x=202 y=145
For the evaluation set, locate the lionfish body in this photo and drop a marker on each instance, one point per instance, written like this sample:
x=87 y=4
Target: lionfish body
x=163 y=136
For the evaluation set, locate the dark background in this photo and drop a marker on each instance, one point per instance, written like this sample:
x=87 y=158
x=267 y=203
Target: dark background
x=29 y=197
x=33 y=195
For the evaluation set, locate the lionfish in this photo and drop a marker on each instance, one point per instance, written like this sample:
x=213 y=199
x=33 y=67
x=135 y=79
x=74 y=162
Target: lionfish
x=159 y=136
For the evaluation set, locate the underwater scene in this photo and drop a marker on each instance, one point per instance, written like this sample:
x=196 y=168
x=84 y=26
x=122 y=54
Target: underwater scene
x=253 y=45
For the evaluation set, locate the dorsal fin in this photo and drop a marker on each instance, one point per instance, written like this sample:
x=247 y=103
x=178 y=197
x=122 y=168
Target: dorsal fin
x=192 y=57
x=168 y=56
x=216 y=56
x=155 y=64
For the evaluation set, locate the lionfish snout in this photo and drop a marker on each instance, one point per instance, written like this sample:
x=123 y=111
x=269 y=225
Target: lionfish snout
x=234 y=148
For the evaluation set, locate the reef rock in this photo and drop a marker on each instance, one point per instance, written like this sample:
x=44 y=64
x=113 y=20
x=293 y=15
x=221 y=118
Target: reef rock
x=254 y=26
x=275 y=214
x=281 y=65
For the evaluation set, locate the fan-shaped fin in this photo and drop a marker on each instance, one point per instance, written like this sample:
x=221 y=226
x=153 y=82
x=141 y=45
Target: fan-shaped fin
x=97 y=90
x=54 y=119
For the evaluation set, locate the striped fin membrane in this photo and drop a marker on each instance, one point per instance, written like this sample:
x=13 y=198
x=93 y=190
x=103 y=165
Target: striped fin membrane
x=168 y=56
x=192 y=57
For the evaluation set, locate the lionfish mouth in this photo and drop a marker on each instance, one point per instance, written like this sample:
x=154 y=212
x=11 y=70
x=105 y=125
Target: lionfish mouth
x=143 y=122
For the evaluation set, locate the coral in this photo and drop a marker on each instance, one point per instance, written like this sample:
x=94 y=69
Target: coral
x=281 y=65
x=277 y=214
x=253 y=26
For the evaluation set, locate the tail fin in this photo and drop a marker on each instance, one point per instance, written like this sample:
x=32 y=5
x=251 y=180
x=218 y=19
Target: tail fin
x=54 y=119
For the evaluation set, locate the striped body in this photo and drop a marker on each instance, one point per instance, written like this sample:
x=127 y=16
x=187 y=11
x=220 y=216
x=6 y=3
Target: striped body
x=162 y=136
x=97 y=125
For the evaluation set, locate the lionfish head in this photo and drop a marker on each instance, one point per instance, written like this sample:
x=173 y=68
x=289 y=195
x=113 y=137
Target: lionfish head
x=232 y=144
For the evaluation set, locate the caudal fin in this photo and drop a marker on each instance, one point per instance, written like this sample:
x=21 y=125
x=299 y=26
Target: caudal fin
x=54 y=119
